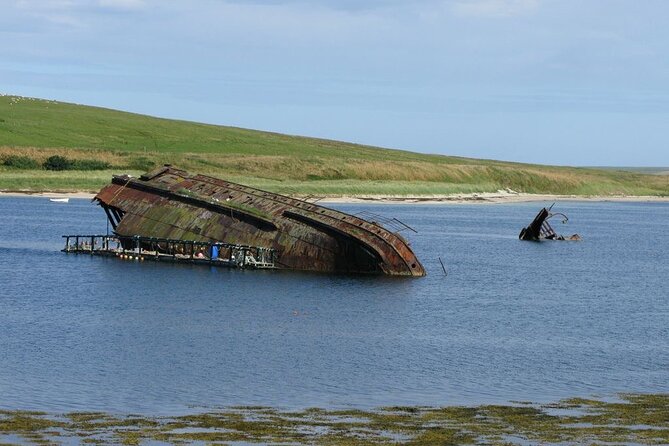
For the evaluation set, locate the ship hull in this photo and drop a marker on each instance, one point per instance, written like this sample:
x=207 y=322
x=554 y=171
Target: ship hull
x=170 y=203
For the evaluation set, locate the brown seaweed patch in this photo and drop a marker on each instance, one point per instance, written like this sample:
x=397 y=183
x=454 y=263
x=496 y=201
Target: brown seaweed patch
x=634 y=418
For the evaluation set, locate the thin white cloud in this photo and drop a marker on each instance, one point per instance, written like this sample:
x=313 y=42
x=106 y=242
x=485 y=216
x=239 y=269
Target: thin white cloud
x=348 y=5
x=76 y=6
x=122 y=5
x=494 y=8
x=63 y=20
x=44 y=15
x=64 y=15
x=43 y=4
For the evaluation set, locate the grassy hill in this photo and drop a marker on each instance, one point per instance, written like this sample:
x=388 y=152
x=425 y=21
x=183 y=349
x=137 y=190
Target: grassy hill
x=32 y=130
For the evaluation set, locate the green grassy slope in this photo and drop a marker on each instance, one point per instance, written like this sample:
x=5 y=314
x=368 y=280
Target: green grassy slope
x=133 y=143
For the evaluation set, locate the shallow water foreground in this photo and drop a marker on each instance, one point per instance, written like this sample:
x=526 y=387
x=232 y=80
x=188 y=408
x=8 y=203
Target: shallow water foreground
x=636 y=419
x=512 y=320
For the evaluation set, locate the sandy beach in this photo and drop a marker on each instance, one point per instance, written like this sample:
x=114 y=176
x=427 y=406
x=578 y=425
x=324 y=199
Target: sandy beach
x=488 y=198
x=481 y=198
x=49 y=194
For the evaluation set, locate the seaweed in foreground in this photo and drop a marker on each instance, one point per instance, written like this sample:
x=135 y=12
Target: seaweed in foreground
x=634 y=419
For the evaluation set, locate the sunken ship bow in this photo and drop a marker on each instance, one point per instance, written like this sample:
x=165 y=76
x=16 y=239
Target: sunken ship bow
x=171 y=204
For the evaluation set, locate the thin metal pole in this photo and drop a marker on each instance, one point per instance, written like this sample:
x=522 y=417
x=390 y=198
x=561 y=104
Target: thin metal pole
x=442 y=266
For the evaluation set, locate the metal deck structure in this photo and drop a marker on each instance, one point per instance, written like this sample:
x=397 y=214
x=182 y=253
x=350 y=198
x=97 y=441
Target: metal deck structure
x=170 y=250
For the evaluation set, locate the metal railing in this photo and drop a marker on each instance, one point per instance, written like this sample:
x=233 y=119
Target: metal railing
x=153 y=248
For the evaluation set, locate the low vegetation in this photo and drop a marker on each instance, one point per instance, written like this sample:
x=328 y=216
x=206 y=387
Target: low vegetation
x=89 y=144
x=633 y=419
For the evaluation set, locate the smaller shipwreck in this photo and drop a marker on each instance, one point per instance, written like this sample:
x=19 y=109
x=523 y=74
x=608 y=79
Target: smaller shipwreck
x=169 y=205
x=541 y=229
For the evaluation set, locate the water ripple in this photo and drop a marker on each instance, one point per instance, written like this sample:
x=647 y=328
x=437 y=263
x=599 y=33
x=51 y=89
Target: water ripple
x=511 y=321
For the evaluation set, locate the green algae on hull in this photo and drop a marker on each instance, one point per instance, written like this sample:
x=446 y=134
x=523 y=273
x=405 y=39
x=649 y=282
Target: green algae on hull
x=634 y=419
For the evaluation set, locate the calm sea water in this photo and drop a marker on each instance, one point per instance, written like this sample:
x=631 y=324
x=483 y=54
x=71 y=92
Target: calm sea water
x=511 y=321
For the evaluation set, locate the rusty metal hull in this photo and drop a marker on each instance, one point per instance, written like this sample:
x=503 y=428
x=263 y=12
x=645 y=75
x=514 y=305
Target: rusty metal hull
x=170 y=203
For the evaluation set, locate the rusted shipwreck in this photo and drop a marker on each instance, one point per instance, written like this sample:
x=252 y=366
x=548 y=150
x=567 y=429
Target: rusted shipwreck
x=170 y=203
x=541 y=229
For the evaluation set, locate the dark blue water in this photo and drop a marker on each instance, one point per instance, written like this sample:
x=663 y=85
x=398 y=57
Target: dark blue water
x=512 y=320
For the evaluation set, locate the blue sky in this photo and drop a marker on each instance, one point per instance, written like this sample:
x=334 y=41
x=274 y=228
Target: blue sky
x=574 y=82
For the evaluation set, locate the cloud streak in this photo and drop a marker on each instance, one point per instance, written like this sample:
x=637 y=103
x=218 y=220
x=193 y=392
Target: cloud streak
x=122 y=5
x=495 y=8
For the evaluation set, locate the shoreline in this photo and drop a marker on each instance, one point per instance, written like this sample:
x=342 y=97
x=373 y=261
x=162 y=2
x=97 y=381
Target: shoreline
x=491 y=198
x=47 y=194
x=630 y=419
x=500 y=197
